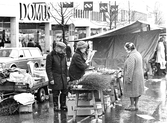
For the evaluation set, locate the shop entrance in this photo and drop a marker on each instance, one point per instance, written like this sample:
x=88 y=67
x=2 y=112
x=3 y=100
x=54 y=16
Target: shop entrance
x=5 y=38
x=32 y=31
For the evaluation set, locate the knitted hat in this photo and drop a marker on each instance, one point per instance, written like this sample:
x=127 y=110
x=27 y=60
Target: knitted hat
x=61 y=45
x=81 y=44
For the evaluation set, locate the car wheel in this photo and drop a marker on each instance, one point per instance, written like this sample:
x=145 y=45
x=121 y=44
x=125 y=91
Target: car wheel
x=13 y=66
x=41 y=95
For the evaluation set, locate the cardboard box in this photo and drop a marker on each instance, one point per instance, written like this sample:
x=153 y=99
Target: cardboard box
x=107 y=100
x=25 y=108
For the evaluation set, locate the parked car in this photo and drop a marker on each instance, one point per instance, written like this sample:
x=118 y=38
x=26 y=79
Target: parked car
x=19 y=57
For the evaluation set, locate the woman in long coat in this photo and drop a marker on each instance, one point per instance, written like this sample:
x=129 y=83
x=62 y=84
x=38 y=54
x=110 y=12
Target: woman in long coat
x=56 y=69
x=133 y=76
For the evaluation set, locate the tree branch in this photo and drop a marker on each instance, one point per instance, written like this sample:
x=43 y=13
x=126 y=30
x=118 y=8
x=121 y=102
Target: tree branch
x=55 y=9
x=56 y=19
x=70 y=15
x=64 y=11
x=67 y=19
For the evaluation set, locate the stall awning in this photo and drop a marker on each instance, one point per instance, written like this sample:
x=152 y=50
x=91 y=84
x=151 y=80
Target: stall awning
x=134 y=27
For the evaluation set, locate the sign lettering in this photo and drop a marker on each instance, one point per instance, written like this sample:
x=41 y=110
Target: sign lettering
x=34 y=11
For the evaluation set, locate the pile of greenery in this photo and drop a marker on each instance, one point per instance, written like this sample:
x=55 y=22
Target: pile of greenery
x=100 y=80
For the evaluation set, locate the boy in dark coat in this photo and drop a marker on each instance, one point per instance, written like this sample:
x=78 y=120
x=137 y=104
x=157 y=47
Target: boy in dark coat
x=30 y=43
x=56 y=69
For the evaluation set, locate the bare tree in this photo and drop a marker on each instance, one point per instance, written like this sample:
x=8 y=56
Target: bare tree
x=158 y=14
x=61 y=15
x=112 y=15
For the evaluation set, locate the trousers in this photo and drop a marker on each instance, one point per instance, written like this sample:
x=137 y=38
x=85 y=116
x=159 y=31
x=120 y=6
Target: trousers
x=62 y=94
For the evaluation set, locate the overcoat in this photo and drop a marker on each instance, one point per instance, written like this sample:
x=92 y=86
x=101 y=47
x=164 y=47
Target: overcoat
x=133 y=71
x=56 y=69
x=78 y=66
x=160 y=58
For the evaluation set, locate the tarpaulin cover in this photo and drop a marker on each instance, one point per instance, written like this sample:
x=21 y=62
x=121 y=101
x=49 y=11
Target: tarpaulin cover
x=110 y=45
x=111 y=53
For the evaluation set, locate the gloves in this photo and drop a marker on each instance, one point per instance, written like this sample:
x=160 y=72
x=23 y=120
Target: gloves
x=52 y=82
x=128 y=81
x=68 y=79
x=88 y=62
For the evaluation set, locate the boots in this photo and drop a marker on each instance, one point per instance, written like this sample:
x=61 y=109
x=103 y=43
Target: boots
x=63 y=102
x=55 y=103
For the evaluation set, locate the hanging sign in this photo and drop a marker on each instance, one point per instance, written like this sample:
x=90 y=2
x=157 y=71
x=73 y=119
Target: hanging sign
x=67 y=4
x=88 y=6
x=103 y=7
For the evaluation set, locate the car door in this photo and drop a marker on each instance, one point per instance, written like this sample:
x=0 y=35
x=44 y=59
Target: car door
x=27 y=57
x=14 y=54
x=22 y=60
x=37 y=56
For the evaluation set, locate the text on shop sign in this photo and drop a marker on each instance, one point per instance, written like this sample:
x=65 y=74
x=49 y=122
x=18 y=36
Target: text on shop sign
x=34 y=11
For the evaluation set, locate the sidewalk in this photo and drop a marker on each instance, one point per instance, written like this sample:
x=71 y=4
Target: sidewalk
x=152 y=106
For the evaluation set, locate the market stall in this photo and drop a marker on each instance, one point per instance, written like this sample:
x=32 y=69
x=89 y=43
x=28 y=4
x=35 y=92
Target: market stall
x=14 y=81
x=90 y=91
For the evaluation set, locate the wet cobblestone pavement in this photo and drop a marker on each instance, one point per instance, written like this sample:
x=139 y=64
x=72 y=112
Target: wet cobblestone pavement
x=152 y=109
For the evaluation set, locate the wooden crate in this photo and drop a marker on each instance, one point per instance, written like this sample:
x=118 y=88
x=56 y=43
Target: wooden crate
x=71 y=104
x=25 y=108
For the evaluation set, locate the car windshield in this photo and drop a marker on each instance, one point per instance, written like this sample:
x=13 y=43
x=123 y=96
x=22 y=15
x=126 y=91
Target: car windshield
x=8 y=53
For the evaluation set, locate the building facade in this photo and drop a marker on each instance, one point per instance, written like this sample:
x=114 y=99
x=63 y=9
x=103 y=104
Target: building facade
x=40 y=21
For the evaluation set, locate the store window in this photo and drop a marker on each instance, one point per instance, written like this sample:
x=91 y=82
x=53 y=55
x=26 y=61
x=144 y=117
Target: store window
x=4 y=30
x=94 y=31
x=33 y=31
x=81 y=32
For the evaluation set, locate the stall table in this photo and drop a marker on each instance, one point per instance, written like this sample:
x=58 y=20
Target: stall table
x=94 y=107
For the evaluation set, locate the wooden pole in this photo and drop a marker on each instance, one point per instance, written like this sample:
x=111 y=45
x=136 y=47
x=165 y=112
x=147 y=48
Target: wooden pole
x=129 y=10
x=115 y=15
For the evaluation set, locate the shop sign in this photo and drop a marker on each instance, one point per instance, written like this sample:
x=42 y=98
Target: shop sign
x=34 y=12
x=88 y=6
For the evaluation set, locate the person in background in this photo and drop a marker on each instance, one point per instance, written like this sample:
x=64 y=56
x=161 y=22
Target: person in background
x=1 y=42
x=56 y=69
x=133 y=76
x=68 y=52
x=53 y=44
x=78 y=63
x=30 y=43
x=38 y=45
x=75 y=46
x=160 y=58
x=23 y=42
x=20 y=44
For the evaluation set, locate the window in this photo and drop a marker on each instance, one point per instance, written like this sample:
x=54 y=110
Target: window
x=122 y=15
x=35 y=53
x=21 y=53
x=14 y=53
x=5 y=53
x=27 y=53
